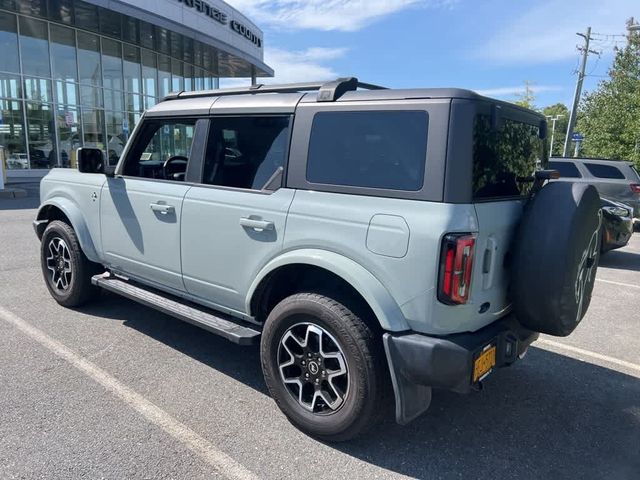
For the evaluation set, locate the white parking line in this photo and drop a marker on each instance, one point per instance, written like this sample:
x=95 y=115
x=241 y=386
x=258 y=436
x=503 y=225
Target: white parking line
x=635 y=368
x=205 y=450
x=617 y=283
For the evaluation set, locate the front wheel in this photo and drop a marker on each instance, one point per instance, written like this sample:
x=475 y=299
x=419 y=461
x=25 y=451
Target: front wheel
x=323 y=365
x=67 y=271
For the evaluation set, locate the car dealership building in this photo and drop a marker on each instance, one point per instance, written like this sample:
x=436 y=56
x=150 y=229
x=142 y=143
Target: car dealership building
x=80 y=73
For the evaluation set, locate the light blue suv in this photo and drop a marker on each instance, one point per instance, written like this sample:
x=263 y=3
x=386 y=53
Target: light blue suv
x=371 y=240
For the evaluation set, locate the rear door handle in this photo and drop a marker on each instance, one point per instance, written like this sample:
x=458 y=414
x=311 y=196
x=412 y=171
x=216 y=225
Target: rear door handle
x=259 y=225
x=162 y=208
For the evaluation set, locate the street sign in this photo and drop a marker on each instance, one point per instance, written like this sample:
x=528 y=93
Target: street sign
x=577 y=137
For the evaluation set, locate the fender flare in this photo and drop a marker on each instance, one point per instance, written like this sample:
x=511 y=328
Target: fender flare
x=374 y=293
x=78 y=222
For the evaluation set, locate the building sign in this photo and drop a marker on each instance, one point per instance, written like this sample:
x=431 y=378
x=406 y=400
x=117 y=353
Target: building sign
x=222 y=18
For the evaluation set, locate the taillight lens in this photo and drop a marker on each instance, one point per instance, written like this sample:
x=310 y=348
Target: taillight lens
x=635 y=187
x=456 y=265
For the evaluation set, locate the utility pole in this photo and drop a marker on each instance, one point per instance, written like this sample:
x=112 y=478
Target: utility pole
x=576 y=98
x=553 y=130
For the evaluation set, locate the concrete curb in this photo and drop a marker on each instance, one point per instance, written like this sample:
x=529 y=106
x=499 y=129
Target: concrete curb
x=10 y=192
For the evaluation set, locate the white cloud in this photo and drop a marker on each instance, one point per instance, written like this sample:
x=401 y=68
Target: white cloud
x=517 y=90
x=295 y=66
x=547 y=32
x=345 y=15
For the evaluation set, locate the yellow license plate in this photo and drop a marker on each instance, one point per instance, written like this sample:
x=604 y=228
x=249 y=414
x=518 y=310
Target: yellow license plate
x=484 y=363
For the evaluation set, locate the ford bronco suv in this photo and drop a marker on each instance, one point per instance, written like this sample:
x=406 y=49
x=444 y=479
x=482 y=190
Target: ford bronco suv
x=371 y=240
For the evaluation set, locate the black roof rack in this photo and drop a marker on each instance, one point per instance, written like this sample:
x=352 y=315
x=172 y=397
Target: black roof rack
x=327 y=91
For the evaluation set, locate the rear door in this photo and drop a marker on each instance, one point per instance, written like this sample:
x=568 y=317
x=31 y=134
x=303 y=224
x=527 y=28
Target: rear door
x=504 y=161
x=233 y=221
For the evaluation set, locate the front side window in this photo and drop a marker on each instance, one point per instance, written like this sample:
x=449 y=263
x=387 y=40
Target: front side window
x=505 y=158
x=375 y=149
x=246 y=152
x=566 y=169
x=162 y=151
x=604 y=171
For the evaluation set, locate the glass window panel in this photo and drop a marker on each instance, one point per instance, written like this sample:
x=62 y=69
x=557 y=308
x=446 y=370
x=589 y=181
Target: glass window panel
x=91 y=96
x=162 y=39
x=61 y=11
x=8 y=4
x=198 y=76
x=133 y=102
x=116 y=137
x=66 y=92
x=164 y=75
x=176 y=45
x=147 y=36
x=188 y=77
x=110 y=23
x=36 y=8
x=208 y=83
x=130 y=30
x=207 y=59
x=93 y=128
x=112 y=64
x=187 y=55
x=63 y=53
x=41 y=135
x=149 y=102
x=89 y=58
x=35 y=47
x=177 y=80
x=132 y=75
x=149 y=73
x=86 y=16
x=38 y=89
x=197 y=53
x=69 y=134
x=12 y=136
x=113 y=99
x=10 y=86
x=9 y=44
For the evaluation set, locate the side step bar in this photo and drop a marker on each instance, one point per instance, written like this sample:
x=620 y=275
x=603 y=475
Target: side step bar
x=225 y=327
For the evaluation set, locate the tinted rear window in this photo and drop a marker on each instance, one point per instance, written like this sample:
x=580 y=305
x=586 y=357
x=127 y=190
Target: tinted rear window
x=504 y=160
x=604 y=171
x=566 y=169
x=374 y=149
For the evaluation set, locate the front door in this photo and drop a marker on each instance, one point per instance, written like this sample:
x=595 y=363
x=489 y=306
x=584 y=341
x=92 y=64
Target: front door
x=233 y=224
x=141 y=208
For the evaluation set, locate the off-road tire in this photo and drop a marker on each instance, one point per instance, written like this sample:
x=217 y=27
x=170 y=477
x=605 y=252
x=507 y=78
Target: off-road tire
x=79 y=289
x=363 y=353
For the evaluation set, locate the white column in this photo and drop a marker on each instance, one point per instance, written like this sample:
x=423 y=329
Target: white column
x=2 y=173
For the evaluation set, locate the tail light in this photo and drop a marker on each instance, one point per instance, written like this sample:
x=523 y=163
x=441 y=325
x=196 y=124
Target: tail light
x=456 y=264
x=635 y=187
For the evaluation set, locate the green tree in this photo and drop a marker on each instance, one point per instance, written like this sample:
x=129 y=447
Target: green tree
x=558 y=110
x=609 y=117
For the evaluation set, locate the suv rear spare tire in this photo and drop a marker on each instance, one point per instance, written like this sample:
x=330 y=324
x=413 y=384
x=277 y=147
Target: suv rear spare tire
x=556 y=255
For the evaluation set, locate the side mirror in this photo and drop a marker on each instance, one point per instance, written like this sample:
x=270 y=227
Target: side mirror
x=93 y=160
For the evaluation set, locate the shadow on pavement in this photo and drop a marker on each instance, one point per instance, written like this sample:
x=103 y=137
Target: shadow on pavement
x=621 y=260
x=32 y=200
x=549 y=416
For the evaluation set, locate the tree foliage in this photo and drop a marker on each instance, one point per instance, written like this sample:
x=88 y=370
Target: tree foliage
x=609 y=117
x=561 y=111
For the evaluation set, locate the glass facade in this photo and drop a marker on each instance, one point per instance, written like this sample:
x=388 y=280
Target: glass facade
x=74 y=74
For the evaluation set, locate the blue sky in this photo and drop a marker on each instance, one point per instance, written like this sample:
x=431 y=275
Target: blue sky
x=491 y=46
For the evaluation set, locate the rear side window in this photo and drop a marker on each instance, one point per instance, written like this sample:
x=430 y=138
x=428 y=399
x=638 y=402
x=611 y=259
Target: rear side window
x=505 y=159
x=604 y=171
x=374 y=149
x=566 y=169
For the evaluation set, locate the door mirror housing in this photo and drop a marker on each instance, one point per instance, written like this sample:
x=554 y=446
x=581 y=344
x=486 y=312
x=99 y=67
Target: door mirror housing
x=93 y=160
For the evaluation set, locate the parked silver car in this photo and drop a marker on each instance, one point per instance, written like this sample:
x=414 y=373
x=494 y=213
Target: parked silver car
x=615 y=179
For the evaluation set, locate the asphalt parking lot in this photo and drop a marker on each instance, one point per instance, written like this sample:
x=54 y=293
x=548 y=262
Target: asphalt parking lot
x=117 y=390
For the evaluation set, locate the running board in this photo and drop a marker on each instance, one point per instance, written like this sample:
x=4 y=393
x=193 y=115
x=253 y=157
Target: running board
x=225 y=327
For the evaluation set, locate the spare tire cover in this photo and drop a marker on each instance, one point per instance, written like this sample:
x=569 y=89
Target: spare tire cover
x=555 y=257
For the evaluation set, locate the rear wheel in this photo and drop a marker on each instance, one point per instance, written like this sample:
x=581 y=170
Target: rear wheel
x=66 y=269
x=323 y=365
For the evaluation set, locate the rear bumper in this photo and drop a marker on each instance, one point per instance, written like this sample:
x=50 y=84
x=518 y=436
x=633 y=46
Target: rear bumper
x=419 y=363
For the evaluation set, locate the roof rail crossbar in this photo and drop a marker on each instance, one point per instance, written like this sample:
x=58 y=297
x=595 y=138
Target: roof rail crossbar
x=327 y=91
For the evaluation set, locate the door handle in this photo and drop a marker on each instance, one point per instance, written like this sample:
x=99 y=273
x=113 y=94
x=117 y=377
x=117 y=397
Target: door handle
x=162 y=208
x=258 y=225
